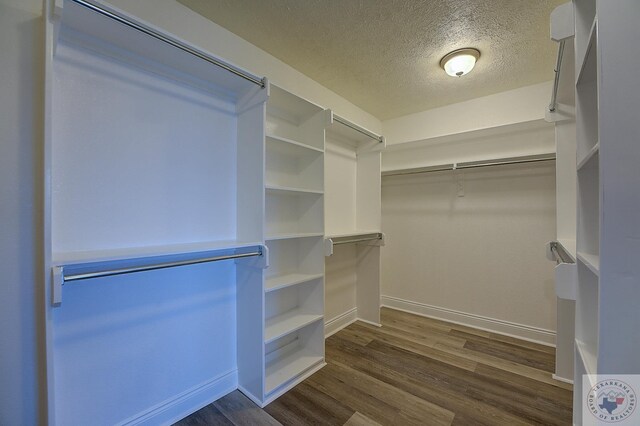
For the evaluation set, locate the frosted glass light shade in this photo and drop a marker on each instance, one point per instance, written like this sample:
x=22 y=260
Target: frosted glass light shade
x=460 y=62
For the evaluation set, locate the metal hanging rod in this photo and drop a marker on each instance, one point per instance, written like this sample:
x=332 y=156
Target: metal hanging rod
x=152 y=267
x=556 y=80
x=372 y=237
x=357 y=128
x=559 y=252
x=473 y=164
x=175 y=43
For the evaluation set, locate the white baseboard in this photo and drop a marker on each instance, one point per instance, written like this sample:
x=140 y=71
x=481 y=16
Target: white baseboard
x=520 y=331
x=187 y=402
x=341 y=321
x=562 y=379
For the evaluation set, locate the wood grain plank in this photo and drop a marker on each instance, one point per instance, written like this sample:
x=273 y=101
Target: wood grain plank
x=413 y=381
x=513 y=367
x=417 y=348
x=208 y=415
x=532 y=358
x=305 y=405
x=359 y=419
x=242 y=412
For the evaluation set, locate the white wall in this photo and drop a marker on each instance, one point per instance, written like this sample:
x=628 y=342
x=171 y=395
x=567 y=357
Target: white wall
x=20 y=206
x=477 y=259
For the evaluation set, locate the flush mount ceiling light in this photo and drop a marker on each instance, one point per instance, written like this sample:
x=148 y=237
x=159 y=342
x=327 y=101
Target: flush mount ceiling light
x=460 y=62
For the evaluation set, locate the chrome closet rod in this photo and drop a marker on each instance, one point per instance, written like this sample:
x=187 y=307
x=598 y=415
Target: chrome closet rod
x=365 y=132
x=460 y=166
x=179 y=45
x=556 y=80
x=164 y=265
x=357 y=240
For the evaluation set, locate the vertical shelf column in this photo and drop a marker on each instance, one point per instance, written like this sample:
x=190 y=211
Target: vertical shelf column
x=293 y=291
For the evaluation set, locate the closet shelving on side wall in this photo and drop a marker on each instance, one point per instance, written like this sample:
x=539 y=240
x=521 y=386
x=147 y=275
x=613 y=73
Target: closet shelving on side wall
x=293 y=291
x=352 y=213
x=607 y=178
x=153 y=153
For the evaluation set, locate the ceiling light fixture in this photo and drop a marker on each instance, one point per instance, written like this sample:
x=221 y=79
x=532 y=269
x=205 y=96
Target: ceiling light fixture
x=460 y=62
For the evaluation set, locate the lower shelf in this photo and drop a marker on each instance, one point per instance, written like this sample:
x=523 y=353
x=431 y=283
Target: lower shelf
x=288 y=368
x=292 y=355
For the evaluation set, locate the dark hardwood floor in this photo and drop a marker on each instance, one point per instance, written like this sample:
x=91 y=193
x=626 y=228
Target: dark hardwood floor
x=413 y=371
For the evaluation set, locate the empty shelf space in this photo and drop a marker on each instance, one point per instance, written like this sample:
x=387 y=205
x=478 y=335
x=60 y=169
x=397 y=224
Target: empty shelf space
x=591 y=261
x=288 y=322
x=293 y=146
x=288 y=236
x=591 y=155
x=283 y=281
x=294 y=108
x=290 y=190
x=287 y=368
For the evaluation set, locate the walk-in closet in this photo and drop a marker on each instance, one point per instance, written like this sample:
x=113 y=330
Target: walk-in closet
x=319 y=213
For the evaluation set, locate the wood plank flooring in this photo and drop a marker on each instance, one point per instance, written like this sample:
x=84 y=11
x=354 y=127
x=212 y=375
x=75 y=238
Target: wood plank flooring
x=413 y=371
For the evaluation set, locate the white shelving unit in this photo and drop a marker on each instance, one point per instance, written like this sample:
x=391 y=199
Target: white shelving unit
x=352 y=211
x=607 y=101
x=563 y=116
x=154 y=158
x=291 y=311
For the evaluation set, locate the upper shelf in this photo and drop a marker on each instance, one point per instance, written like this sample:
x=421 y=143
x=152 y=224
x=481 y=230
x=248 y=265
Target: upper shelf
x=289 y=106
x=112 y=31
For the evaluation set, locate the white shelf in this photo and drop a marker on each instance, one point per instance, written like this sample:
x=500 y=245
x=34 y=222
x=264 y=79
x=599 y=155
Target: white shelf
x=591 y=261
x=288 y=236
x=294 y=108
x=352 y=233
x=591 y=155
x=588 y=63
x=131 y=253
x=288 y=322
x=291 y=190
x=287 y=368
x=283 y=281
x=588 y=359
x=294 y=143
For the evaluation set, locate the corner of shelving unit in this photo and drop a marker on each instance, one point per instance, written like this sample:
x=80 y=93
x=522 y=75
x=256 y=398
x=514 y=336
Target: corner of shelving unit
x=254 y=96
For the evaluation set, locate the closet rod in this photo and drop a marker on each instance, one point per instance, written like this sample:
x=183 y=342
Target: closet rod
x=358 y=240
x=556 y=80
x=357 y=128
x=163 y=265
x=177 y=44
x=474 y=164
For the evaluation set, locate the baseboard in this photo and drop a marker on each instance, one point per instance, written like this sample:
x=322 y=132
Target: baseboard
x=341 y=321
x=187 y=402
x=562 y=379
x=520 y=331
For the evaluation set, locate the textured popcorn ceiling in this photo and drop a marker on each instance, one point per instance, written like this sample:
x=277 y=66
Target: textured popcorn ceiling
x=383 y=55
